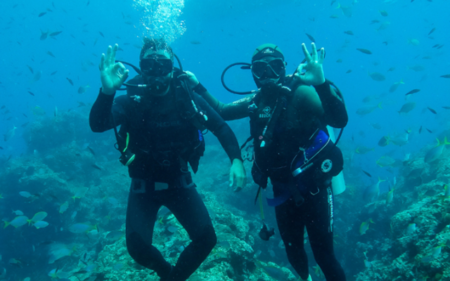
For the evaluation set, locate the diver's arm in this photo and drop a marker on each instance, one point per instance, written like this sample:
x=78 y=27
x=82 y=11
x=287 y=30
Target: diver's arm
x=103 y=111
x=221 y=130
x=104 y=115
x=228 y=141
x=335 y=113
x=311 y=73
x=230 y=111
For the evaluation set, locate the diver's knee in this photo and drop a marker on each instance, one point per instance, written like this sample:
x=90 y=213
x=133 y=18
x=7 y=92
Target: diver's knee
x=208 y=237
x=134 y=247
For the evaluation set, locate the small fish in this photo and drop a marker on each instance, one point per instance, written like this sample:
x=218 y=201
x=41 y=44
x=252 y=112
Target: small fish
x=31 y=69
x=391 y=69
x=80 y=228
x=389 y=196
x=38 y=111
x=385 y=161
x=414 y=42
x=376 y=76
x=17 y=222
x=376 y=126
x=83 y=89
x=435 y=252
x=400 y=139
x=431 y=31
x=435 y=153
x=195 y=42
x=10 y=134
x=429 y=131
x=101 y=34
x=53 y=73
x=15 y=262
x=363 y=150
x=445 y=76
x=51 y=54
x=17 y=213
x=44 y=35
x=394 y=86
x=407 y=107
x=383 y=26
x=367 y=174
x=41 y=224
x=372 y=192
x=346 y=10
x=367 y=263
x=42 y=14
x=63 y=207
x=446 y=191
x=348 y=71
x=310 y=37
x=97 y=167
x=383 y=13
x=31 y=93
x=37 y=76
x=446 y=107
x=412 y=92
x=411 y=228
x=38 y=217
x=349 y=32
x=432 y=110
x=70 y=81
x=364 y=51
x=364 y=226
x=367 y=109
x=56 y=33
x=420 y=130
x=91 y=150
x=417 y=68
x=266 y=233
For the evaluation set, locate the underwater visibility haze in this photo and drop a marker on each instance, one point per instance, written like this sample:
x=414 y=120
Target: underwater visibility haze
x=64 y=194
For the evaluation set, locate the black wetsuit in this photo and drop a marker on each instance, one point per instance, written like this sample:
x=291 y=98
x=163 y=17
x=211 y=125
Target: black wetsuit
x=162 y=140
x=316 y=213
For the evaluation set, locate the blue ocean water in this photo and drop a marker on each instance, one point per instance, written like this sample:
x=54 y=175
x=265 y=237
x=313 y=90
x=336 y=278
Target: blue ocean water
x=44 y=76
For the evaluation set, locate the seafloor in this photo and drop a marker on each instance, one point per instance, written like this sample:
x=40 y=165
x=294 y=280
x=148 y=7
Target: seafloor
x=68 y=163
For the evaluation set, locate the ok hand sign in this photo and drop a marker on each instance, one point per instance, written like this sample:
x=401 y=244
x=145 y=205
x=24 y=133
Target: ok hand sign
x=311 y=72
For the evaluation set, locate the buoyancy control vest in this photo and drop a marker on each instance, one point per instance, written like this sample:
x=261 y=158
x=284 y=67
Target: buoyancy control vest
x=279 y=141
x=161 y=131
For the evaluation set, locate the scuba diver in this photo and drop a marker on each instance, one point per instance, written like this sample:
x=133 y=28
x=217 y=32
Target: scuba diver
x=294 y=149
x=161 y=123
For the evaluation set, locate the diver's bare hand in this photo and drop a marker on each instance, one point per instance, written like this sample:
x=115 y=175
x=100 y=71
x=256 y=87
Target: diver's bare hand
x=112 y=74
x=237 y=175
x=311 y=72
x=190 y=78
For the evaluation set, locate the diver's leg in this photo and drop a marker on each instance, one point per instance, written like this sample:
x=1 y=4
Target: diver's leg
x=291 y=226
x=143 y=206
x=191 y=212
x=319 y=224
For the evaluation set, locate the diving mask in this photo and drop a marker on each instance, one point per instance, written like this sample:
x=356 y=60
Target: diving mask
x=273 y=68
x=156 y=66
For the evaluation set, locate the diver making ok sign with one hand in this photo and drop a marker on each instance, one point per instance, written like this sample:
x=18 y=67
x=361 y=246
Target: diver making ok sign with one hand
x=289 y=116
x=161 y=124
